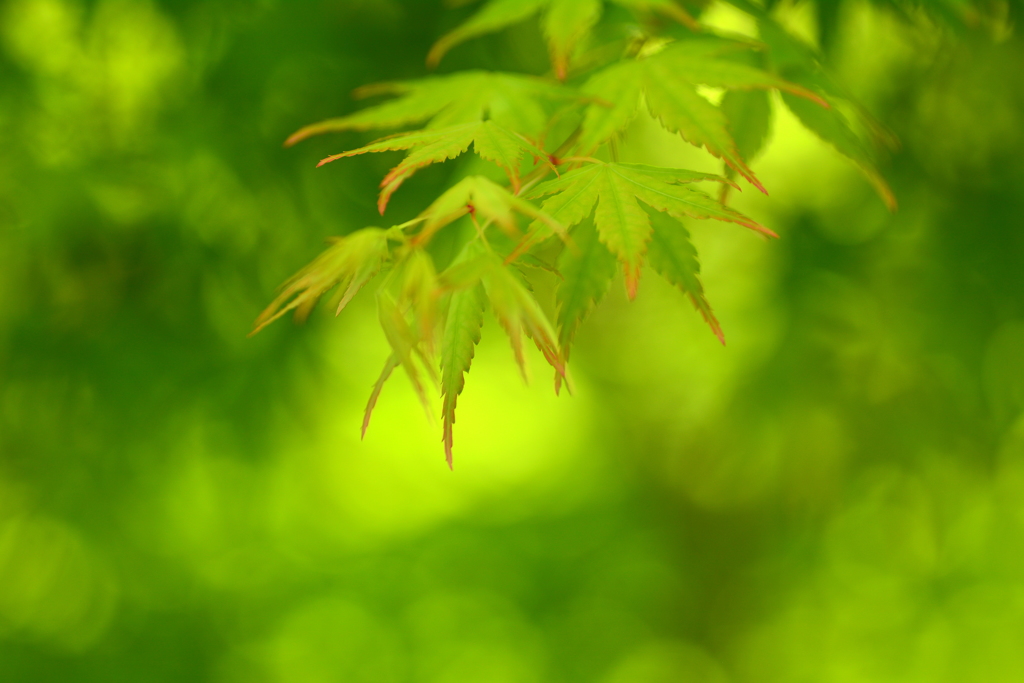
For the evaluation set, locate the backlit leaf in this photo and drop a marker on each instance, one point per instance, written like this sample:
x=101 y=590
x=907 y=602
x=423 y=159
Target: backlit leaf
x=518 y=312
x=464 y=318
x=514 y=101
x=622 y=225
x=351 y=262
x=587 y=269
x=673 y=256
x=668 y=80
x=431 y=146
x=487 y=201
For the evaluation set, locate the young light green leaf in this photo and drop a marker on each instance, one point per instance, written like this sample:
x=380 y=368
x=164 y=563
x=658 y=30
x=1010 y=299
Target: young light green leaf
x=404 y=343
x=486 y=200
x=464 y=318
x=518 y=312
x=389 y=367
x=621 y=224
x=587 y=272
x=514 y=101
x=351 y=262
x=617 y=91
x=431 y=146
x=673 y=256
x=668 y=81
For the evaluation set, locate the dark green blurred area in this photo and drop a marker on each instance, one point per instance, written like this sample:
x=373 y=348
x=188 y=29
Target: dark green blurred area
x=838 y=495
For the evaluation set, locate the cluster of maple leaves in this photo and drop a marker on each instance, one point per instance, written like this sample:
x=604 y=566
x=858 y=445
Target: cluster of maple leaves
x=566 y=195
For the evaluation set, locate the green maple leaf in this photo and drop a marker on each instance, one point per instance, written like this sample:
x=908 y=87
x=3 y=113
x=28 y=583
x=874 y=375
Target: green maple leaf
x=464 y=318
x=673 y=256
x=800 y=64
x=431 y=146
x=587 y=269
x=407 y=310
x=668 y=80
x=565 y=23
x=484 y=200
x=351 y=261
x=618 y=189
x=514 y=101
x=478 y=278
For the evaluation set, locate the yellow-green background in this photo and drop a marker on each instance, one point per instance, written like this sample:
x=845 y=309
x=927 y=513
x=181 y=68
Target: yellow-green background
x=835 y=496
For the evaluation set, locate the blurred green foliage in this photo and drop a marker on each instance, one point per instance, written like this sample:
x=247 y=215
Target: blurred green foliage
x=835 y=496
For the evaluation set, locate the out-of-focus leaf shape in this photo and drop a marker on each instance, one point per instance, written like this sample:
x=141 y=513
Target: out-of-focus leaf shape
x=463 y=320
x=668 y=80
x=672 y=254
x=514 y=101
x=622 y=224
x=566 y=23
x=799 y=63
x=587 y=269
x=431 y=146
x=351 y=262
x=486 y=200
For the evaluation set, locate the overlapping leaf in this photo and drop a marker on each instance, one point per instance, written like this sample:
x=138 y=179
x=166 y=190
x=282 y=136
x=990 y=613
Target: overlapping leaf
x=587 y=270
x=798 y=63
x=489 y=140
x=565 y=23
x=622 y=224
x=673 y=256
x=485 y=200
x=513 y=101
x=668 y=81
x=351 y=261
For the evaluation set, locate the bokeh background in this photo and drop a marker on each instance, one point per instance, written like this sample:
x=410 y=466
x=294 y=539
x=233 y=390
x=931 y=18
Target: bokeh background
x=837 y=495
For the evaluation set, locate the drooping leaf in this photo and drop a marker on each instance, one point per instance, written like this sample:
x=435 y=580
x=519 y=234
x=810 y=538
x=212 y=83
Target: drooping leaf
x=461 y=334
x=832 y=127
x=749 y=115
x=485 y=200
x=418 y=295
x=389 y=367
x=674 y=257
x=799 y=63
x=431 y=146
x=351 y=262
x=514 y=101
x=518 y=312
x=622 y=225
x=405 y=345
x=565 y=23
x=587 y=269
x=668 y=81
